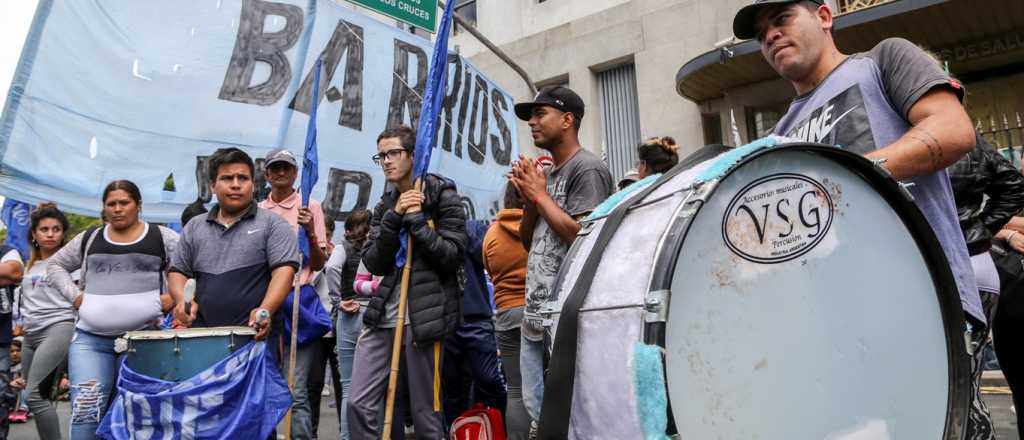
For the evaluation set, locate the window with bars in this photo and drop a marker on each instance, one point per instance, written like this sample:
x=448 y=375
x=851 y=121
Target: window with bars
x=467 y=10
x=761 y=120
x=620 y=115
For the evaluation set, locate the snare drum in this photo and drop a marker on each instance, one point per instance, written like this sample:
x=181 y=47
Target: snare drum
x=795 y=292
x=177 y=355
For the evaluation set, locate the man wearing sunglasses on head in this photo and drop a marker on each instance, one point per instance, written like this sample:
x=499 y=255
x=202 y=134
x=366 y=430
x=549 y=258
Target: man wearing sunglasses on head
x=433 y=299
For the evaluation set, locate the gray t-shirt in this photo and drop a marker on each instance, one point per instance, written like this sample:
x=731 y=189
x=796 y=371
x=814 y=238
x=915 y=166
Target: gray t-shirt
x=577 y=186
x=864 y=105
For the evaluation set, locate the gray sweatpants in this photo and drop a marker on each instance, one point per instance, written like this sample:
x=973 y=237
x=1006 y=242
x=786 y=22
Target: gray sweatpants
x=370 y=371
x=42 y=353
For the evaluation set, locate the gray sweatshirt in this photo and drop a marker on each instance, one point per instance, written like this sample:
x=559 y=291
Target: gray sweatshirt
x=42 y=305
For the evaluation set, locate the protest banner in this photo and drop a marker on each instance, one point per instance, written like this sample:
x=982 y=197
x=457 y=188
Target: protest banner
x=146 y=91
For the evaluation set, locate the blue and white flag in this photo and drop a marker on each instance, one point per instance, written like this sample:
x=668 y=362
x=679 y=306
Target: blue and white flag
x=241 y=397
x=15 y=215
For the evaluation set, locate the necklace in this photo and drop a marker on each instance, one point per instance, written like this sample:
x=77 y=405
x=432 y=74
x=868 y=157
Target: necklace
x=228 y=221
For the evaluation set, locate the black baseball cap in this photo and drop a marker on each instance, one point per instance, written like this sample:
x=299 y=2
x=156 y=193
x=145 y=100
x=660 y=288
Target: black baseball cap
x=744 y=25
x=559 y=97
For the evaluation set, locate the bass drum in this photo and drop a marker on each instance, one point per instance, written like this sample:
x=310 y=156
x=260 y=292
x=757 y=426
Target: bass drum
x=786 y=292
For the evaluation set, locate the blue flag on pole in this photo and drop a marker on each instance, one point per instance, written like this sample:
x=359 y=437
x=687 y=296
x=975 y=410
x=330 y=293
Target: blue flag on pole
x=310 y=162
x=15 y=215
x=426 y=133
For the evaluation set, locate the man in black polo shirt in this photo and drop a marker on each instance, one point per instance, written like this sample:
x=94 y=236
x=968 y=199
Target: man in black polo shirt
x=243 y=258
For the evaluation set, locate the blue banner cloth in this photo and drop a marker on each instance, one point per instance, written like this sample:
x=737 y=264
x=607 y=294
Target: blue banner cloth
x=241 y=397
x=15 y=215
x=314 y=321
x=165 y=83
x=426 y=132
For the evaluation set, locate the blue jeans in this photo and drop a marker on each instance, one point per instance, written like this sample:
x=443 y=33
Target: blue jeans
x=302 y=413
x=5 y=358
x=347 y=331
x=531 y=366
x=93 y=372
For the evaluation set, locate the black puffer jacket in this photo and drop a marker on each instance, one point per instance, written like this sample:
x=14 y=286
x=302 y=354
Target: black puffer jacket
x=984 y=171
x=435 y=298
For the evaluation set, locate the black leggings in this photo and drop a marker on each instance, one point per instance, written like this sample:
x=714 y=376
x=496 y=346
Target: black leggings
x=1008 y=336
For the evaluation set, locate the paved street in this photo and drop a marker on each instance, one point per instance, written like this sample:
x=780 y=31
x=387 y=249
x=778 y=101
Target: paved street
x=27 y=431
x=998 y=399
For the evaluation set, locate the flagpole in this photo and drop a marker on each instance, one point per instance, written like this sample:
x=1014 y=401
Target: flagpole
x=396 y=344
x=426 y=135
x=310 y=175
x=291 y=354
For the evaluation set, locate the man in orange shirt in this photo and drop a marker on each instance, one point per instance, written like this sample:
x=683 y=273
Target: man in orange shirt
x=314 y=320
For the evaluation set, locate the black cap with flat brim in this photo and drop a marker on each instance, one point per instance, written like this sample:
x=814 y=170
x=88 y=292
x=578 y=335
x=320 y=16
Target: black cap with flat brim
x=559 y=97
x=744 y=25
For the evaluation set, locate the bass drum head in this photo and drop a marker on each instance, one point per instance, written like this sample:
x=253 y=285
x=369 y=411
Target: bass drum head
x=802 y=307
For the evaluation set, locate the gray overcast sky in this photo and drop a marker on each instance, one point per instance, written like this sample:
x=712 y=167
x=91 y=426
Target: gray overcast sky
x=15 y=19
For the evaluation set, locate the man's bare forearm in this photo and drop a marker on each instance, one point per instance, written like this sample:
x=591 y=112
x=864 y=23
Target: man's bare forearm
x=281 y=282
x=557 y=219
x=941 y=134
x=176 y=286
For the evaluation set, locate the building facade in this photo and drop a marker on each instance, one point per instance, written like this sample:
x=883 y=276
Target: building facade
x=649 y=68
x=620 y=56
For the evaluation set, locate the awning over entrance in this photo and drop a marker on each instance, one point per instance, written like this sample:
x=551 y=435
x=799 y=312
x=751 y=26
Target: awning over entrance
x=972 y=35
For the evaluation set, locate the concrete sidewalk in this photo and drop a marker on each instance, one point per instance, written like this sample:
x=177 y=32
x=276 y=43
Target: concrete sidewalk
x=993 y=378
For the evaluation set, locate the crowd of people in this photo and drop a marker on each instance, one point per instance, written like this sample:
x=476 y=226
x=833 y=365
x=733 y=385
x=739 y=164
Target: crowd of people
x=472 y=329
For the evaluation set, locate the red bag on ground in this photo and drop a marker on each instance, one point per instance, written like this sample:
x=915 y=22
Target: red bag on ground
x=479 y=423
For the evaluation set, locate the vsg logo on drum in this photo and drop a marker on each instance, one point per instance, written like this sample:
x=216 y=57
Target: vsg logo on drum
x=777 y=218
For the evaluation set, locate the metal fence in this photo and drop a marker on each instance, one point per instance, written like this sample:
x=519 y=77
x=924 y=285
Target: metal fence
x=848 y=6
x=1006 y=133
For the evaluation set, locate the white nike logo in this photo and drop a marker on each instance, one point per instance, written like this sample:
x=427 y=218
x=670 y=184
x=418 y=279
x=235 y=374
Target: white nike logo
x=817 y=129
x=836 y=122
x=252 y=231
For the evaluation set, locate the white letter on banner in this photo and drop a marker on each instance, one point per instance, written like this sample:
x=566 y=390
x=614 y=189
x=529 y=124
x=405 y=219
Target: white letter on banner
x=188 y=418
x=167 y=419
x=210 y=420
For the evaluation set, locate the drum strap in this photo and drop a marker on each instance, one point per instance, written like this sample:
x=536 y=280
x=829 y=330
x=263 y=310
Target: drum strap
x=556 y=409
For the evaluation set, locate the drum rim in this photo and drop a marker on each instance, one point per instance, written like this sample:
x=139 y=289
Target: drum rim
x=188 y=333
x=958 y=400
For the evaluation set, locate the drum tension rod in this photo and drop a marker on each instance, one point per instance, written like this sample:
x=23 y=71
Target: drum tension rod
x=176 y=348
x=656 y=304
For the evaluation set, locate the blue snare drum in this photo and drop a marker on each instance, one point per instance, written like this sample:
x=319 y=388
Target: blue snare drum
x=177 y=355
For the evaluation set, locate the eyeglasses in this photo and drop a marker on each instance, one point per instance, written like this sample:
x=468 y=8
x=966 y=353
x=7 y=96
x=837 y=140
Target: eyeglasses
x=390 y=155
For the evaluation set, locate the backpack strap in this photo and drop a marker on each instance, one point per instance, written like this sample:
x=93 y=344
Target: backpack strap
x=87 y=240
x=90 y=237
